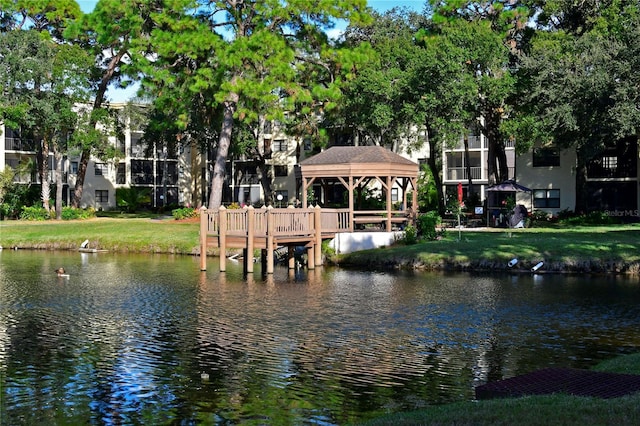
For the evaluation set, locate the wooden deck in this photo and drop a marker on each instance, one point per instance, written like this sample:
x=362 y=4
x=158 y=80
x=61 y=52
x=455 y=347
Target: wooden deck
x=269 y=228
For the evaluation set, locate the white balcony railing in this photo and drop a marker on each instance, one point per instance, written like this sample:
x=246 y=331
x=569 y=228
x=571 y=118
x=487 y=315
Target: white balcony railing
x=460 y=173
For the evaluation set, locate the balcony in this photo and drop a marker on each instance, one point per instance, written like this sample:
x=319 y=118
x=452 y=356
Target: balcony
x=18 y=144
x=460 y=173
x=475 y=142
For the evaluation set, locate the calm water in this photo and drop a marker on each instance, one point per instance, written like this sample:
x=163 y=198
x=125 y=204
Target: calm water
x=130 y=339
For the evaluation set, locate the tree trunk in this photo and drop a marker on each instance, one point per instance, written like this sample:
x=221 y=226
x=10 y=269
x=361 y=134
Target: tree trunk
x=217 y=180
x=165 y=176
x=266 y=182
x=58 y=172
x=434 y=155
x=82 y=172
x=468 y=165
x=44 y=173
x=497 y=158
x=581 y=183
x=107 y=77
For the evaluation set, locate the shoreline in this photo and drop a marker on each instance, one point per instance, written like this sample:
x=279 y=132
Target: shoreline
x=584 y=266
x=612 y=250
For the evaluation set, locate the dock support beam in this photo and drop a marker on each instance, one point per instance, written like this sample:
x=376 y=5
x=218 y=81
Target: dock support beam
x=317 y=217
x=270 y=248
x=222 y=238
x=204 y=217
x=248 y=255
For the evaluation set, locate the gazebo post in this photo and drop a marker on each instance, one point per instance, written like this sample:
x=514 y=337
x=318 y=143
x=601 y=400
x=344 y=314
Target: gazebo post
x=351 y=204
x=388 y=197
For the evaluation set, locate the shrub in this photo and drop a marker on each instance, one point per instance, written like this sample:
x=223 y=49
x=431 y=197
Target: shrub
x=410 y=235
x=327 y=250
x=427 y=225
x=593 y=218
x=184 y=213
x=71 y=213
x=35 y=213
x=132 y=198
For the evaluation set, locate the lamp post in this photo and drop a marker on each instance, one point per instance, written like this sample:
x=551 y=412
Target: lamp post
x=279 y=198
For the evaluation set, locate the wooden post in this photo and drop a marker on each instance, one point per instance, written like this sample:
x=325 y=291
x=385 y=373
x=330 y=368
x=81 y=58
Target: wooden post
x=291 y=257
x=204 y=222
x=222 y=238
x=248 y=257
x=388 y=193
x=317 y=216
x=311 y=257
x=270 y=231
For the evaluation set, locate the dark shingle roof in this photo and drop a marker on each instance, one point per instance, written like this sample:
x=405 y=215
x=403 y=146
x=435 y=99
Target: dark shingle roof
x=356 y=154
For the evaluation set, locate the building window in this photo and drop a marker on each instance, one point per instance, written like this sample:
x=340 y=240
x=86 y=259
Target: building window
x=610 y=163
x=546 y=198
x=280 y=145
x=546 y=157
x=394 y=194
x=281 y=171
x=74 y=167
x=267 y=127
x=102 y=196
x=307 y=144
x=121 y=177
x=100 y=169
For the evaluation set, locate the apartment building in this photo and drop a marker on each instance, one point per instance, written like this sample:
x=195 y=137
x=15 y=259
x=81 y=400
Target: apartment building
x=611 y=182
x=180 y=174
x=171 y=175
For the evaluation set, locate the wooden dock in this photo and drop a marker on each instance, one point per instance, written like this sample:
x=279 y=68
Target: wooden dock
x=267 y=229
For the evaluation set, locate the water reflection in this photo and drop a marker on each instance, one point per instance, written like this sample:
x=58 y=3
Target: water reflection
x=151 y=339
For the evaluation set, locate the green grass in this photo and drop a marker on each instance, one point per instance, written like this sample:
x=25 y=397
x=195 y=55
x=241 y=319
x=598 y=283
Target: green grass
x=614 y=248
x=577 y=249
x=547 y=410
x=147 y=235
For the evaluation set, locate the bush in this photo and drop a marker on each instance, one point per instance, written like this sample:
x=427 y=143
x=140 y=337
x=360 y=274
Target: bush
x=410 y=235
x=427 y=225
x=184 y=213
x=35 y=213
x=71 y=213
x=593 y=218
x=132 y=198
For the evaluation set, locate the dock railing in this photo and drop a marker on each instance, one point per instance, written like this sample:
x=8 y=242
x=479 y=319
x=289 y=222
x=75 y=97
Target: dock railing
x=245 y=228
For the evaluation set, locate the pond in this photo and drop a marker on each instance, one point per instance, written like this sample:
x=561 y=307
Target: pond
x=133 y=339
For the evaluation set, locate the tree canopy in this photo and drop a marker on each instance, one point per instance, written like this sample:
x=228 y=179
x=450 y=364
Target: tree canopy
x=215 y=71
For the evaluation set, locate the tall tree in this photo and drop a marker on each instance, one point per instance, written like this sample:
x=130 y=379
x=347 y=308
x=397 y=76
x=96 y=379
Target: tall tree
x=46 y=79
x=372 y=108
x=50 y=16
x=497 y=30
x=256 y=50
x=107 y=34
x=442 y=92
x=581 y=91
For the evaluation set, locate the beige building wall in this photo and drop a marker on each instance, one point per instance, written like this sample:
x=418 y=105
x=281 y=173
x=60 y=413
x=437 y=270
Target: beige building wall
x=561 y=178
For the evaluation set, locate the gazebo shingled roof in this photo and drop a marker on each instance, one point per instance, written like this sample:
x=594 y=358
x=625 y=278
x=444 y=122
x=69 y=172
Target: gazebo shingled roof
x=354 y=166
x=356 y=155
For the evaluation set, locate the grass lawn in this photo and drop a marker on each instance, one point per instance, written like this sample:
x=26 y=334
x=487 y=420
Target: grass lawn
x=142 y=235
x=578 y=249
x=548 y=410
x=614 y=248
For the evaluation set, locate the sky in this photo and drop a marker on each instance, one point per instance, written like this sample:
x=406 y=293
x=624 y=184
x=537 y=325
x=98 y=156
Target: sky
x=379 y=5
x=119 y=95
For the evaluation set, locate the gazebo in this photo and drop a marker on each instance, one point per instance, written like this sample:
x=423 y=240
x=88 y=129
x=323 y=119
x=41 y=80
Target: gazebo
x=355 y=167
x=497 y=195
